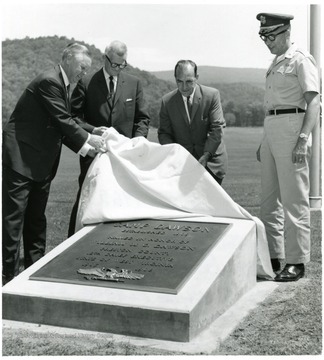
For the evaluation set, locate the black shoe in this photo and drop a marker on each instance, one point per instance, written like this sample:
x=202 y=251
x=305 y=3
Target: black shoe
x=276 y=265
x=291 y=272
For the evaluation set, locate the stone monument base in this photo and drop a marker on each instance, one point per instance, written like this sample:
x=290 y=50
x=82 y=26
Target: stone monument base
x=223 y=276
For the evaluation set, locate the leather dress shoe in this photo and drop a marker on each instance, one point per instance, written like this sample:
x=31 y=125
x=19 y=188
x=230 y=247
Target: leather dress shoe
x=291 y=272
x=276 y=265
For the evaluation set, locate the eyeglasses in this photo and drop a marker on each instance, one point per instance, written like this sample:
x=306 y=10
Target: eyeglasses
x=271 y=37
x=115 y=65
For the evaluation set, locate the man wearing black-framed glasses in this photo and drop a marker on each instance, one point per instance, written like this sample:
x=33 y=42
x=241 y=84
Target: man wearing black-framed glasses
x=109 y=98
x=292 y=104
x=271 y=37
x=116 y=65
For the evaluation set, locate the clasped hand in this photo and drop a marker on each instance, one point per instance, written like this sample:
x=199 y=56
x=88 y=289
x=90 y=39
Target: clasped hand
x=96 y=141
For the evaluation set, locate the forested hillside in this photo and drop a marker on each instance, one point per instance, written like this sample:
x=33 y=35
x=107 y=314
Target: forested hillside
x=23 y=59
x=226 y=75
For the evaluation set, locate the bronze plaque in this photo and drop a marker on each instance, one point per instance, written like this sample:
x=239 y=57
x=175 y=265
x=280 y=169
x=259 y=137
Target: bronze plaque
x=146 y=255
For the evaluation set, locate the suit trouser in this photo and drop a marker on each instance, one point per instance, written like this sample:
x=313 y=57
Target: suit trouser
x=85 y=163
x=23 y=216
x=285 y=190
x=218 y=179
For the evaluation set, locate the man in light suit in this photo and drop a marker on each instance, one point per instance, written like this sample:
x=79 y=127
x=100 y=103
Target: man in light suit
x=192 y=116
x=32 y=141
x=108 y=98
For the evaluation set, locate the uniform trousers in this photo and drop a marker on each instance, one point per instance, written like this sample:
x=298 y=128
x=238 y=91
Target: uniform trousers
x=23 y=216
x=285 y=208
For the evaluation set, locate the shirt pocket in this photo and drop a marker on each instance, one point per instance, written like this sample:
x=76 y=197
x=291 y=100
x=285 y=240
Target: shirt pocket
x=285 y=77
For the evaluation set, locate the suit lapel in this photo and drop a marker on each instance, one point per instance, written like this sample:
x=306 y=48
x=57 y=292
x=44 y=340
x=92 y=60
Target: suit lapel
x=119 y=88
x=196 y=102
x=181 y=107
x=67 y=95
x=102 y=83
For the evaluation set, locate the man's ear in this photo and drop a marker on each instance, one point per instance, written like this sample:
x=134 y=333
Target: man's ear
x=69 y=58
x=197 y=76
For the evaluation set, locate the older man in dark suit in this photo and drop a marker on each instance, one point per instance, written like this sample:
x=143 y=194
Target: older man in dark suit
x=192 y=116
x=32 y=141
x=109 y=98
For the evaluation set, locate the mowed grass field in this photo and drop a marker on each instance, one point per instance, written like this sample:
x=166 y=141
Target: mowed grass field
x=288 y=322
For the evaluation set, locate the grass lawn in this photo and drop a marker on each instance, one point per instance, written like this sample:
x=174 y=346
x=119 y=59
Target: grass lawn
x=288 y=322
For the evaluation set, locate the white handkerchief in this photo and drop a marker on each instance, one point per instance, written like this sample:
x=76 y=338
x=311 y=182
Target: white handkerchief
x=129 y=100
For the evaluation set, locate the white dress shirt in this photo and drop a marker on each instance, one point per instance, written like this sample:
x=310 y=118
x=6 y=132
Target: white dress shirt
x=191 y=102
x=108 y=80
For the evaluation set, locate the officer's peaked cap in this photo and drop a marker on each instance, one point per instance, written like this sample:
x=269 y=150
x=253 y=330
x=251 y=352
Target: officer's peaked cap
x=272 y=22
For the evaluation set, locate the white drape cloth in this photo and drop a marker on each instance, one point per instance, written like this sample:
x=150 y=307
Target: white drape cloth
x=139 y=179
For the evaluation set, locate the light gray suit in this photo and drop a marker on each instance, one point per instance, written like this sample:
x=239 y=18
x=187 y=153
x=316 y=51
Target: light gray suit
x=204 y=132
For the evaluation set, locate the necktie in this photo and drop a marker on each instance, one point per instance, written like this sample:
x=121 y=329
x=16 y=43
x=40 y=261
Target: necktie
x=111 y=91
x=189 y=105
x=111 y=86
x=68 y=94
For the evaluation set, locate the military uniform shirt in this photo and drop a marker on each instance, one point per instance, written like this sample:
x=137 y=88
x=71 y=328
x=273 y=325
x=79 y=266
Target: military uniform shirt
x=289 y=77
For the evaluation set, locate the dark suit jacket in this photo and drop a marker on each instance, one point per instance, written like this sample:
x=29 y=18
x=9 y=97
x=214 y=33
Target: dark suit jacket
x=32 y=138
x=205 y=130
x=127 y=115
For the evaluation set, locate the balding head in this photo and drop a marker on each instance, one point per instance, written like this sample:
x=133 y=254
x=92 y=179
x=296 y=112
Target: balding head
x=185 y=65
x=185 y=73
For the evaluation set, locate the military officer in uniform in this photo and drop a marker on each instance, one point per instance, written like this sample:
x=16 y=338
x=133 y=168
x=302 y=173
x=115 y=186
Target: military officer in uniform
x=292 y=104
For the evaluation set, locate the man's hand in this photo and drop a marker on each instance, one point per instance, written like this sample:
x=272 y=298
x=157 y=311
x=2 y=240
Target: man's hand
x=204 y=159
x=96 y=141
x=99 y=130
x=258 y=156
x=300 y=151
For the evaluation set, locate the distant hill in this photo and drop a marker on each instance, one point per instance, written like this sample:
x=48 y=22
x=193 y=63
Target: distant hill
x=241 y=90
x=24 y=59
x=214 y=74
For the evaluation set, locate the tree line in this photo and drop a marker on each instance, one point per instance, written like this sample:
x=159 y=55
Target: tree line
x=24 y=59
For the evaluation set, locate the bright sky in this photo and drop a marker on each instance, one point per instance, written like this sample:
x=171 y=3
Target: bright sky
x=158 y=34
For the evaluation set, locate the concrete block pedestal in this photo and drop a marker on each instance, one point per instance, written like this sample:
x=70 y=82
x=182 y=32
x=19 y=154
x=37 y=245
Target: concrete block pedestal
x=226 y=274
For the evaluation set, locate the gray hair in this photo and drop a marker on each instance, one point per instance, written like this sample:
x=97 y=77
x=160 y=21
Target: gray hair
x=75 y=48
x=116 y=47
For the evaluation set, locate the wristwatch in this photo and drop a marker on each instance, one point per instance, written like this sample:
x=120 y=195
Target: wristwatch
x=303 y=136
